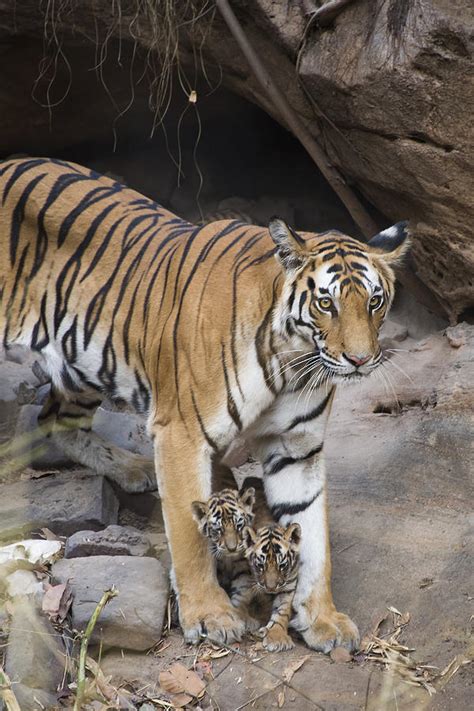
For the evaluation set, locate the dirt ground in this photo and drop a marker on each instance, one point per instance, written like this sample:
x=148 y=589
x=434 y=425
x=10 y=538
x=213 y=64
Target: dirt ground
x=401 y=492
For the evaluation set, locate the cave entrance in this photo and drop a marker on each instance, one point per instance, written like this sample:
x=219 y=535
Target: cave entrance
x=222 y=157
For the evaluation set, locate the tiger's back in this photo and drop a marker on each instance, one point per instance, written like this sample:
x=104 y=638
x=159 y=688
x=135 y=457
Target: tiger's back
x=94 y=276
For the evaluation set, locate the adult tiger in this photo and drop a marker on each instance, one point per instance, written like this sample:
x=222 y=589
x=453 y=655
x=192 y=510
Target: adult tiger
x=211 y=336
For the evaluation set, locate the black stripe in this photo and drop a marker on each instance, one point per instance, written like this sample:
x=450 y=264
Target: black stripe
x=208 y=439
x=231 y=406
x=19 y=215
x=287 y=461
x=279 y=510
x=312 y=414
x=23 y=167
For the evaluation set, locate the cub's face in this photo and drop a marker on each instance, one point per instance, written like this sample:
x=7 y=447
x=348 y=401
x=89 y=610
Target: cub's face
x=223 y=518
x=337 y=293
x=273 y=556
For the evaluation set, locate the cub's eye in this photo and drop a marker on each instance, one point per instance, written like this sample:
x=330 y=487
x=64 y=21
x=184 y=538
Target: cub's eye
x=239 y=525
x=325 y=303
x=375 y=301
x=283 y=565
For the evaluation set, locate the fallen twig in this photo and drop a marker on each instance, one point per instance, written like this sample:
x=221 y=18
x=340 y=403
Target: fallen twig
x=355 y=208
x=81 y=673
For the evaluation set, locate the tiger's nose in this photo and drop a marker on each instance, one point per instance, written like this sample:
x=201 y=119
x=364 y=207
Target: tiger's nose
x=356 y=359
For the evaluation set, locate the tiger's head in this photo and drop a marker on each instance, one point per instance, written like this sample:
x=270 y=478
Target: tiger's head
x=223 y=518
x=272 y=553
x=336 y=295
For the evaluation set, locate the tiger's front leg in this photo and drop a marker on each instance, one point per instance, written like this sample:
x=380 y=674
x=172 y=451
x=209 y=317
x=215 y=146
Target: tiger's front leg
x=295 y=487
x=184 y=470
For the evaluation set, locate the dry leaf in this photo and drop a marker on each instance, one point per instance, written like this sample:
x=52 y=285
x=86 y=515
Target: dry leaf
x=281 y=698
x=340 y=655
x=107 y=690
x=293 y=667
x=394 y=610
x=56 y=601
x=213 y=653
x=203 y=669
x=178 y=680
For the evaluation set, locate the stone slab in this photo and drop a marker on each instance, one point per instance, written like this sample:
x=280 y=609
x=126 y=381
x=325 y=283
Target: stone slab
x=113 y=540
x=133 y=619
x=64 y=503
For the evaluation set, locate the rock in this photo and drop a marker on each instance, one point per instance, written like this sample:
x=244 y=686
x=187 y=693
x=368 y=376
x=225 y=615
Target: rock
x=456 y=336
x=340 y=655
x=132 y=620
x=391 y=80
x=36 y=655
x=64 y=503
x=126 y=430
x=17 y=386
x=113 y=540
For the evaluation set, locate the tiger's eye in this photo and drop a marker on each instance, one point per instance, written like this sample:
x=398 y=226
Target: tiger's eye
x=375 y=301
x=325 y=303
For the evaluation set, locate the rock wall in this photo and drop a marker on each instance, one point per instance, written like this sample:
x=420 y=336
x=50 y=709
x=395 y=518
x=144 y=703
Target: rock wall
x=388 y=89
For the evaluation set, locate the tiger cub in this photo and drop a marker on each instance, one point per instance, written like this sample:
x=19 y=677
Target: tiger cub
x=246 y=565
x=222 y=519
x=272 y=553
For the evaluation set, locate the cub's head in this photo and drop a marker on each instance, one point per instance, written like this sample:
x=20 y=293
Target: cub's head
x=223 y=518
x=336 y=295
x=273 y=556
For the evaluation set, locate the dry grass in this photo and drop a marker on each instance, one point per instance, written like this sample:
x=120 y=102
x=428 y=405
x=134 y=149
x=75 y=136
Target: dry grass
x=407 y=684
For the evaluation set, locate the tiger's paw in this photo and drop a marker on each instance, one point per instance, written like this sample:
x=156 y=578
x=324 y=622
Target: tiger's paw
x=329 y=630
x=251 y=624
x=276 y=639
x=219 y=622
x=137 y=477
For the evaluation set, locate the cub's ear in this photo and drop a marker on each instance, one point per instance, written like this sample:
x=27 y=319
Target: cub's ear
x=293 y=533
x=392 y=243
x=249 y=536
x=290 y=246
x=247 y=497
x=199 y=510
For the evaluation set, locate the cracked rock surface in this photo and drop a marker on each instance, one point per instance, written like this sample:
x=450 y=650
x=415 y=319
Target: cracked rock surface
x=388 y=88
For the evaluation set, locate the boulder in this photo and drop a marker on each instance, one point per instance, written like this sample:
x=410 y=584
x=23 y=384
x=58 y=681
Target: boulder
x=133 y=619
x=36 y=657
x=17 y=387
x=385 y=87
x=113 y=540
x=64 y=503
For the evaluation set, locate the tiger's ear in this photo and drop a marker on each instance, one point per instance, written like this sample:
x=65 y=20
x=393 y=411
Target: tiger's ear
x=392 y=243
x=290 y=246
x=249 y=536
x=247 y=497
x=199 y=509
x=293 y=533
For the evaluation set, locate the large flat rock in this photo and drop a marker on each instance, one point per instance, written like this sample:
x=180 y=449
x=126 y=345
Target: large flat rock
x=64 y=503
x=133 y=619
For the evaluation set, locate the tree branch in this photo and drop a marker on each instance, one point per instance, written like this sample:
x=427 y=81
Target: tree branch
x=355 y=208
